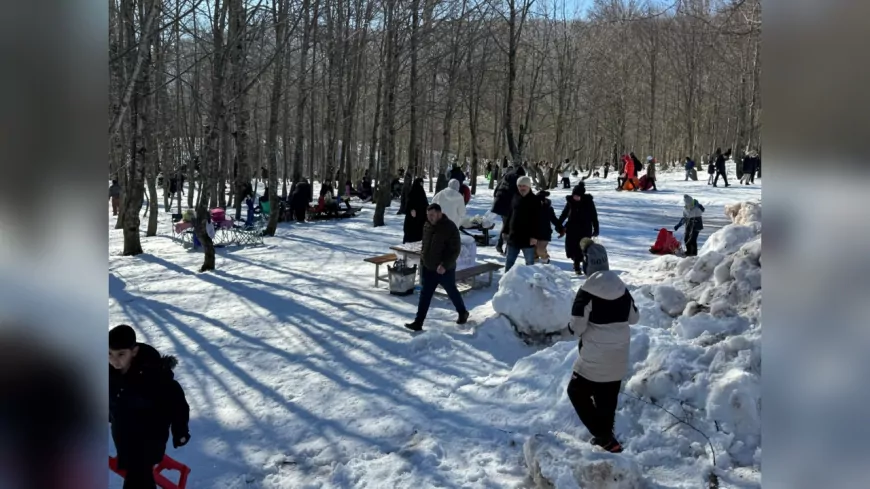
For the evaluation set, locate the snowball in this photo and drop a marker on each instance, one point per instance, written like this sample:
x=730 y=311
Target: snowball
x=536 y=298
x=559 y=461
x=728 y=239
x=704 y=266
x=671 y=300
x=694 y=326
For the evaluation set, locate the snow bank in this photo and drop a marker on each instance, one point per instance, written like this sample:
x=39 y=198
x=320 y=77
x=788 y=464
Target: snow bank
x=558 y=460
x=536 y=298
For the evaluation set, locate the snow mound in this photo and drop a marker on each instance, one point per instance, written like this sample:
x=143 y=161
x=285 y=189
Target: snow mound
x=559 y=461
x=728 y=239
x=671 y=300
x=536 y=298
x=744 y=213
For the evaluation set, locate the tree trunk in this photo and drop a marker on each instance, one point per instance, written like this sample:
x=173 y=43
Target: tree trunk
x=388 y=131
x=274 y=110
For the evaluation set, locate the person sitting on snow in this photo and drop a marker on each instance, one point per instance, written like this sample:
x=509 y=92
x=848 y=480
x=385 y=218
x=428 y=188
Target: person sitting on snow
x=692 y=212
x=602 y=313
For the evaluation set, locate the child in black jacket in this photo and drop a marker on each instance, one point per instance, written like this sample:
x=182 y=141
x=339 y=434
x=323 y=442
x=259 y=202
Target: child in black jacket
x=145 y=403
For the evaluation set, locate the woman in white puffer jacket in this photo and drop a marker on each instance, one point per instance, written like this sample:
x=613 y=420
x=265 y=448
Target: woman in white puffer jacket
x=451 y=201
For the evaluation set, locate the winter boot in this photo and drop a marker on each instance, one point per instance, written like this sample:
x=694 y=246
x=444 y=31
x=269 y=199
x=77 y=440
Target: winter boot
x=463 y=317
x=611 y=445
x=500 y=249
x=415 y=326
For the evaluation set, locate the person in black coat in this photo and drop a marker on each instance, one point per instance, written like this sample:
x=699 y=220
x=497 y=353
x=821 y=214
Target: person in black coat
x=145 y=404
x=456 y=174
x=638 y=166
x=301 y=198
x=547 y=220
x=582 y=223
x=503 y=199
x=720 y=167
x=415 y=218
x=522 y=229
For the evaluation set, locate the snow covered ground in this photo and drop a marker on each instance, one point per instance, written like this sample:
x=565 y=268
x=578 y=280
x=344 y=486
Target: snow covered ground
x=299 y=373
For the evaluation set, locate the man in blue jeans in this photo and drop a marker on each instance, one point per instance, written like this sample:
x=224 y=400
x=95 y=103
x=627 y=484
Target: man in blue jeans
x=521 y=228
x=441 y=247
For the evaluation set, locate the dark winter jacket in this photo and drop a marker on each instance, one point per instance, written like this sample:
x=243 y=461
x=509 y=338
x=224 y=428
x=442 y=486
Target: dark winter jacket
x=441 y=244
x=690 y=165
x=602 y=314
x=750 y=165
x=548 y=219
x=456 y=174
x=711 y=167
x=302 y=195
x=144 y=404
x=524 y=222
x=505 y=192
x=115 y=190
x=418 y=202
x=720 y=163
x=582 y=223
x=638 y=166
x=692 y=215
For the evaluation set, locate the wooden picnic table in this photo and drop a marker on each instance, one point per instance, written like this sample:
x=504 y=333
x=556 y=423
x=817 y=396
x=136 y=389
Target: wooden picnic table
x=484 y=239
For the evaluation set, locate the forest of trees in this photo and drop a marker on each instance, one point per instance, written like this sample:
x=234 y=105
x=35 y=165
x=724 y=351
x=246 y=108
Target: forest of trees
x=218 y=90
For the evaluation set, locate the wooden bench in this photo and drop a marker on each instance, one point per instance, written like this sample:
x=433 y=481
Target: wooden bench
x=471 y=274
x=378 y=261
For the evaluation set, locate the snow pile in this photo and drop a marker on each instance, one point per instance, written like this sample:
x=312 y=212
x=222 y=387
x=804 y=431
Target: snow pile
x=560 y=460
x=672 y=301
x=536 y=298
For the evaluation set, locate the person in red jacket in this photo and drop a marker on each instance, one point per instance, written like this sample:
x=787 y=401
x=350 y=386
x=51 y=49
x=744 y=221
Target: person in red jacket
x=466 y=193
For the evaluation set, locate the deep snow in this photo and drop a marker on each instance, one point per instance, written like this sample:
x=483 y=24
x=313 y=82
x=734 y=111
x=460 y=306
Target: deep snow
x=299 y=373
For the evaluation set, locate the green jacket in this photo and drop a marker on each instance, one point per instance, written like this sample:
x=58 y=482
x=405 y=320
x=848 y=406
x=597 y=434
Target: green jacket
x=441 y=244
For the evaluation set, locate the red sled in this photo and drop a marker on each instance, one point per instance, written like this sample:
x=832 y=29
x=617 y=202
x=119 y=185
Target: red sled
x=666 y=243
x=645 y=183
x=166 y=464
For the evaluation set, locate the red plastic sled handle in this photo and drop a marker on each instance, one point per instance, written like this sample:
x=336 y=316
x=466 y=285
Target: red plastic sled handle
x=166 y=464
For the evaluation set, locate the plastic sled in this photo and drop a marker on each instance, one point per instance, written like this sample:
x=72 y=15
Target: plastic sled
x=166 y=464
x=666 y=243
x=644 y=183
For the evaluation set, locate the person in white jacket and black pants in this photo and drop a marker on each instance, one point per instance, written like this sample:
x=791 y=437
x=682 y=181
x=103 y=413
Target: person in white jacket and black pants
x=602 y=313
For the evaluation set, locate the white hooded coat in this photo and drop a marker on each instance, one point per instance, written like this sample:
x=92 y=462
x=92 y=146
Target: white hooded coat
x=452 y=203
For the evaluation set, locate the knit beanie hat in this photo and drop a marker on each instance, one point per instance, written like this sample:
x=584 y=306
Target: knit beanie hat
x=688 y=200
x=595 y=257
x=122 y=337
x=579 y=189
x=524 y=180
x=649 y=158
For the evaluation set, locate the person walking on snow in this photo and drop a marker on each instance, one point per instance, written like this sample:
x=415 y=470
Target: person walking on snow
x=566 y=174
x=690 y=166
x=522 y=230
x=146 y=403
x=602 y=313
x=115 y=196
x=441 y=248
x=415 y=218
x=582 y=217
x=711 y=170
x=750 y=165
x=651 y=171
x=720 y=167
x=548 y=217
x=502 y=200
x=692 y=211
x=451 y=202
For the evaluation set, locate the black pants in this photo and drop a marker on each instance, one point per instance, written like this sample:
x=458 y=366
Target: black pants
x=605 y=171
x=431 y=279
x=723 y=175
x=140 y=477
x=653 y=180
x=595 y=403
x=691 y=240
x=300 y=214
x=566 y=183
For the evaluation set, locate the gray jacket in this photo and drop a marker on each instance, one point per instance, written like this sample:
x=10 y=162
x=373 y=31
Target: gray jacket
x=602 y=312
